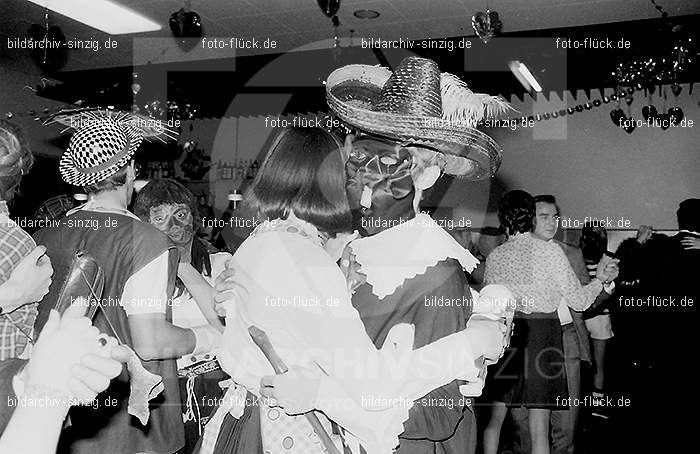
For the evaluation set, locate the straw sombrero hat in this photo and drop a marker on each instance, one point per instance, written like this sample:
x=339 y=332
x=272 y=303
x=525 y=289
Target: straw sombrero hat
x=417 y=104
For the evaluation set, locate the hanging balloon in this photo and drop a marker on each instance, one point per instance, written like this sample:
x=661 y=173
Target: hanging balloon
x=486 y=25
x=186 y=27
x=49 y=47
x=676 y=89
x=629 y=125
x=329 y=7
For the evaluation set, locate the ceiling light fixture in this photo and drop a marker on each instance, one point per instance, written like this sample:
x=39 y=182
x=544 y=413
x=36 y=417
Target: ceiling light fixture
x=523 y=74
x=366 y=14
x=103 y=15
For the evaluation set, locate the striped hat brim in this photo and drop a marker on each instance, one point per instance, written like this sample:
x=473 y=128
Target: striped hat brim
x=97 y=152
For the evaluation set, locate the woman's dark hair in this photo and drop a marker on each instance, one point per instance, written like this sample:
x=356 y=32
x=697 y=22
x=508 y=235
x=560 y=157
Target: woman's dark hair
x=15 y=159
x=516 y=212
x=166 y=191
x=593 y=242
x=304 y=173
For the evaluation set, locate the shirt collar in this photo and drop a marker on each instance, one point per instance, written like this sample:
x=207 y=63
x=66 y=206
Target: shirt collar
x=91 y=205
x=406 y=250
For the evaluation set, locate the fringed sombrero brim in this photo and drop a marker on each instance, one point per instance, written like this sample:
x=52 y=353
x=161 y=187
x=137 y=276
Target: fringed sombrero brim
x=351 y=92
x=148 y=128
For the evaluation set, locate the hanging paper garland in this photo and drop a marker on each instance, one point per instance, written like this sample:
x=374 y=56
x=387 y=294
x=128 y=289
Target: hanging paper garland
x=672 y=117
x=623 y=93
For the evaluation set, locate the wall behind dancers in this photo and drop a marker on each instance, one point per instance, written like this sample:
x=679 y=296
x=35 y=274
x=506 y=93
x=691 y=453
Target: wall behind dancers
x=595 y=168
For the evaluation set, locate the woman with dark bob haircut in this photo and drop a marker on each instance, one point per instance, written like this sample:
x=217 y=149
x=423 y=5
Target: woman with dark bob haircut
x=289 y=286
x=303 y=174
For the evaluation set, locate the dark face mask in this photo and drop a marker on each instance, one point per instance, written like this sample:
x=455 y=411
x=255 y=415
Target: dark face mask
x=381 y=171
x=175 y=220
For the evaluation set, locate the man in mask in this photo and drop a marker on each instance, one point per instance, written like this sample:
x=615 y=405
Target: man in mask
x=406 y=268
x=140 y=265
x=172 y=209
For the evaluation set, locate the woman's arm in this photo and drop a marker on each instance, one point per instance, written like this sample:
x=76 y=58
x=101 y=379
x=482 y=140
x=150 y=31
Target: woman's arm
x=68 y=366
x=577 y=296
x=202 y=292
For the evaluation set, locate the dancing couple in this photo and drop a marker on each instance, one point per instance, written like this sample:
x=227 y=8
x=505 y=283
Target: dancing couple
x=363 y=357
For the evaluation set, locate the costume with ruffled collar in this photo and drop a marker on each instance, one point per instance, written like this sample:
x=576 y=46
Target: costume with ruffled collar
x=414 y=274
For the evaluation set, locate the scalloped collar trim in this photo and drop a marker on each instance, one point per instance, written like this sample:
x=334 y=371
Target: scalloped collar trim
x=404 y=251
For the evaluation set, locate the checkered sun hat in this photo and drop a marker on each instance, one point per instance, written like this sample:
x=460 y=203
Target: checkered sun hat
x=97 y=151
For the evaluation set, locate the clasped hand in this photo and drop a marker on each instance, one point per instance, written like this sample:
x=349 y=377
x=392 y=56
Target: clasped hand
x=71 y=358
x=607 y=270
x=295 y=391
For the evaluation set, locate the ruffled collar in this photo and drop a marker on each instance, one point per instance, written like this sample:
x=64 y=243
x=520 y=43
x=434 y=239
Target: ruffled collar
x=402 y=252
x=291 y=225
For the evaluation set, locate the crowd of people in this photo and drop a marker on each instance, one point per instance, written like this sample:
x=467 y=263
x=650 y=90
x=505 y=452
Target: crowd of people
x=319 y=333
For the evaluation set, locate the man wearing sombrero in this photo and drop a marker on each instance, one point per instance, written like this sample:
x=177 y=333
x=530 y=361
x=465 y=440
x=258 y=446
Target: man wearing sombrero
x=140 y=265
x=414 y=125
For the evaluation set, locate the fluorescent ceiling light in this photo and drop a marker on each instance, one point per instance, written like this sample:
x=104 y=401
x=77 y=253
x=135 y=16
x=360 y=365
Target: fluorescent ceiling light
x=105 y=15
x=523 y=74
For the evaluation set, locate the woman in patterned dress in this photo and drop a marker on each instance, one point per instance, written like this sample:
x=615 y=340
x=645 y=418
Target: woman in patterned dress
x=539 y=275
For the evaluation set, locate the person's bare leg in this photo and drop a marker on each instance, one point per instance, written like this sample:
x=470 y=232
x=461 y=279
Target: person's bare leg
x=599 y=358
x=539 y=430
x=492 y=432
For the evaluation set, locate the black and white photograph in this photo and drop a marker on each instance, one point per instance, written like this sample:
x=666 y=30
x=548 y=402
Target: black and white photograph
x=349 y=226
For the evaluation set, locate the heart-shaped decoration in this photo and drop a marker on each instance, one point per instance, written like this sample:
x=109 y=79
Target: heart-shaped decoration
x=630 y=125
x=663 y=120
x=617 y=116
x=649 y=113
x=186 y=24
x=676 y=115
x=676 y=89
x=486 y=25
x=329 y=7
x=49 y=49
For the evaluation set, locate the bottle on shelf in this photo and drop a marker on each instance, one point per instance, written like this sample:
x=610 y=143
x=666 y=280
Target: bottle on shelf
x=249 y=170
x=234 y=200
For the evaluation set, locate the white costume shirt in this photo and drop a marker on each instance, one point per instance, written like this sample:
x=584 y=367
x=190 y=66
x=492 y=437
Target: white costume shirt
x=297 y=294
